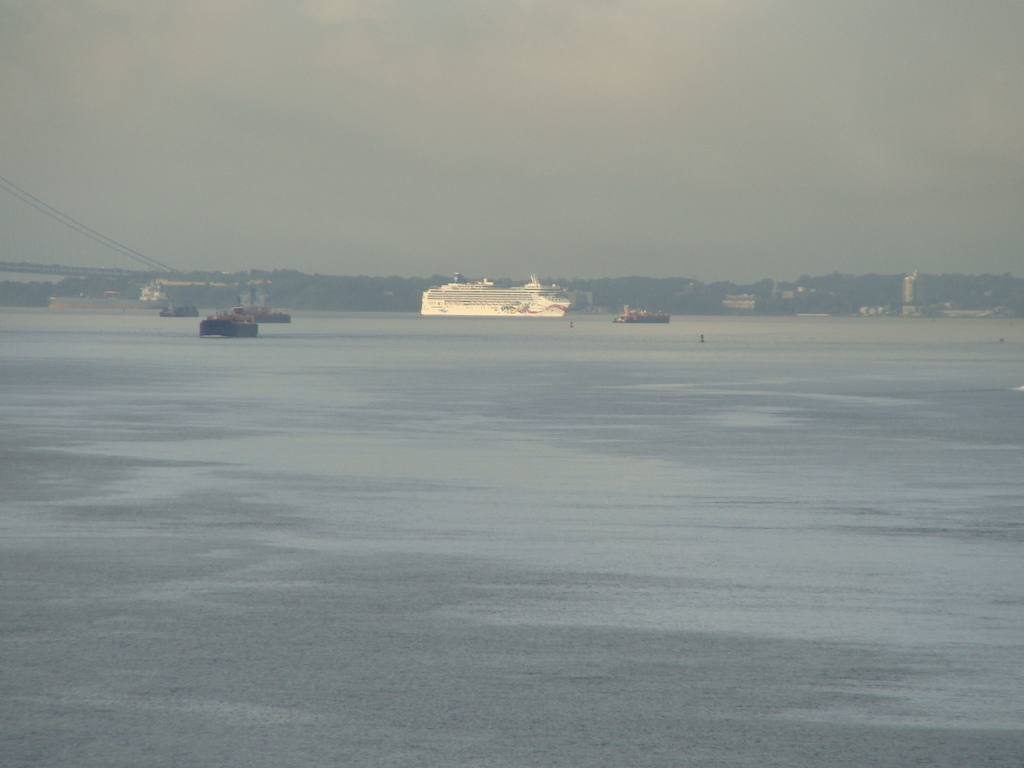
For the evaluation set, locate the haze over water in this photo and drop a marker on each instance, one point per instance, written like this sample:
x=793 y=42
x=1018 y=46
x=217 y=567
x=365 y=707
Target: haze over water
x=390 y=540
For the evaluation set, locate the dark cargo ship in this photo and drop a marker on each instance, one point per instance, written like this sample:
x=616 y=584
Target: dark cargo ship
x=265 y=315
x=641 y=316
x=179 y=310
x=152 y=297
x=234 y=323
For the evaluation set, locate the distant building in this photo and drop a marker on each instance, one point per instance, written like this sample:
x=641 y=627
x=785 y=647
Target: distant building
x=739 y=301
x=580 y=299
x=908 y=288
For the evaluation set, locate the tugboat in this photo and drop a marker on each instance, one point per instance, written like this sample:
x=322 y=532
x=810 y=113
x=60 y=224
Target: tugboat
x=234 y=323
x=257 y=307
x=640 y=316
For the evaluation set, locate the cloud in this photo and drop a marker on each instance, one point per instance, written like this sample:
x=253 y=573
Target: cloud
x=342 y=11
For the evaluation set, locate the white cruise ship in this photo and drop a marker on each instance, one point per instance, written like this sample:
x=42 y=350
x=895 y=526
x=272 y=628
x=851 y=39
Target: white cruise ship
x=481 y=297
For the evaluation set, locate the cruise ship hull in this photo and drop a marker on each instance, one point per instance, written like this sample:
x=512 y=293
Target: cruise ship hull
x=497 y=310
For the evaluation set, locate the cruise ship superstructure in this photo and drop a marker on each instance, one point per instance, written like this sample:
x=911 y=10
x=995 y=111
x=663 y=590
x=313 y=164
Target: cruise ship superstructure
x=482 y=298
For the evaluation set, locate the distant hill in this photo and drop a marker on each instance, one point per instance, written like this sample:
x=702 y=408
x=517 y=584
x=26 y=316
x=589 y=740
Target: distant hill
x=834 y=294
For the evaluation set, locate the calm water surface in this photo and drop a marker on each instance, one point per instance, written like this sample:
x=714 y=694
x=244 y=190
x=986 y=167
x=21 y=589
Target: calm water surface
x=389 y=540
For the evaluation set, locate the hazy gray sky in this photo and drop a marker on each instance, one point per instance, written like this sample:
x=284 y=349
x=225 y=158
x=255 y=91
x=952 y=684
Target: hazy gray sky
x=733 y=139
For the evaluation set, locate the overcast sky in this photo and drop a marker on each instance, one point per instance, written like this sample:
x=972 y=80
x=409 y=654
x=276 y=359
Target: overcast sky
x=724 y=139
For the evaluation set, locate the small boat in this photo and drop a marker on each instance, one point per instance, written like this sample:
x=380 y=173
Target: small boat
x=229 y=323
x=641 y=316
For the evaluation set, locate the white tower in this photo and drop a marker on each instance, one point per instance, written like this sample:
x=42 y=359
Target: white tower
x=908 y=288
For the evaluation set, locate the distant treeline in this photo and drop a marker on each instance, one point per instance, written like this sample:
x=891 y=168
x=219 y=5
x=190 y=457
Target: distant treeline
x=25 y=294
x=833 y=294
